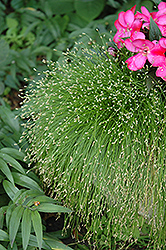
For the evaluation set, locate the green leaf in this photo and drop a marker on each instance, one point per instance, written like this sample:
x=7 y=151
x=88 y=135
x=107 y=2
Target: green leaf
x=17 y=4
x=42 y=198
x=33 y=242
x=56 y=244
x=15 y=164
x=37 y=225
x=14 y=152
x=24 y=195
x=154 y=31
x=2 y=87
x=4 y=53
x=26 y=227
x=2 y=247
x=2 y=215
x=3 y=236
x=61 y=7
x=89 y=9
x=25 y=181
x=52 y=208
x=6 y=170
x=9 y=118
x=11 y=23
x=14 y=223
x=9 y=213
x=10 y=189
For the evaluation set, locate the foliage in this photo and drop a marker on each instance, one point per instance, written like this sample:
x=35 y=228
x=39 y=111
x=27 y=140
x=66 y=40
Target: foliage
x=22 y=199
x=33 y=30
x=98 y=139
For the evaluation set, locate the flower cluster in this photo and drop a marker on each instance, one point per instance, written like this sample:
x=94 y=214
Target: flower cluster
x=143 y=33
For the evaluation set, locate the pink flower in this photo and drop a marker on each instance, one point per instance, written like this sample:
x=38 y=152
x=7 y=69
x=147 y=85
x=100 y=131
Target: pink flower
x=162 y=6
x=144 y=16
x=138 y=61
x=111 y=50
x=129 y=41
x=162 y=42
x=157 y=55
x=126 y=25
x=148 y=50
x=161 y=71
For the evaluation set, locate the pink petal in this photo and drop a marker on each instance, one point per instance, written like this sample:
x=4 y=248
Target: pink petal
x=118 y=25
x=161 y=20
x=161 y=6
x=145 y=11
x=133 y=9
x=129 y=42
x=162 y=29
x=136 y=62
x=162 y=42
x=161 y=72
x=129 y=17
x=121 y=19
x=136 y=26
x=141 y=43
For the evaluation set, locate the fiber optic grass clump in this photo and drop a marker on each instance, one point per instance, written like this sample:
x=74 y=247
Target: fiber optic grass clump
x=97 y=137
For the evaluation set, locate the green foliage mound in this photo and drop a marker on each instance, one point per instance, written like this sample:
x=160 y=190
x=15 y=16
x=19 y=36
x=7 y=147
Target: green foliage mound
x=97 y=135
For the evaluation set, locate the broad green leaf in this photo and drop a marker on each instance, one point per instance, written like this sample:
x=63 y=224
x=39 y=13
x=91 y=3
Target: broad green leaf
x=14 y=223
x=41 y=198
x=16 y=4
x=26 y=227
x=154 y=31
x=37 y=225
x=33 y=242
x=61 y=7
x=25 y=195
x=9 y=118
x=2 y=247
x=6 y=170
x=14 y=247
x=2 y=215
x=25 y=181
x=15 y=164
x=52 y=208
x=10 y=189
x=11 y=23
x=56 y=244
x=18 y=195
x=2 y=87
x=90 y=9
x=9 y=213
x=14 y=152
x=3 y=236
x=4 y=53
